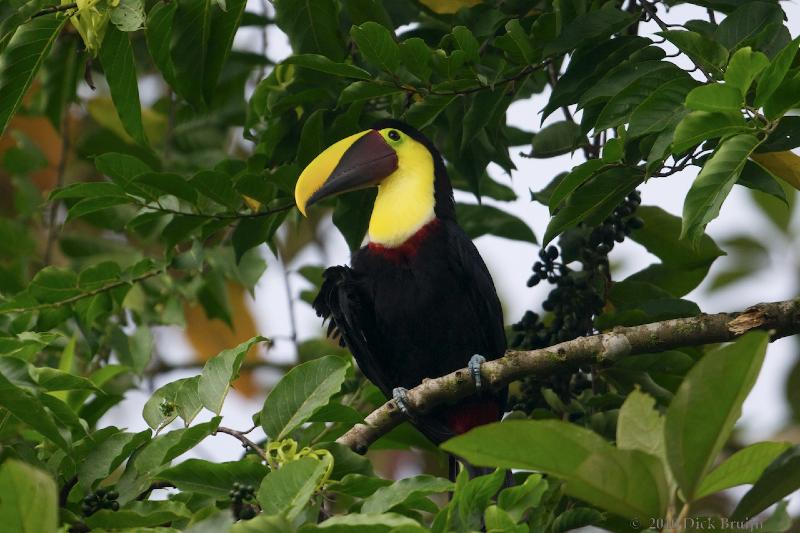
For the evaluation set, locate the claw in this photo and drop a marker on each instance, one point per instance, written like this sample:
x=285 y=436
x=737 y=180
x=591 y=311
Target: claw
x=400 y=397
x=474 y=366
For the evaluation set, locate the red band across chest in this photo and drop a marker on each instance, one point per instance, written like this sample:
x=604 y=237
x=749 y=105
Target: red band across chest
x=410 y=247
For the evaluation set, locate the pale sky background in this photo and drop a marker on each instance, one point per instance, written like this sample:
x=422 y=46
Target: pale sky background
x=510 y=262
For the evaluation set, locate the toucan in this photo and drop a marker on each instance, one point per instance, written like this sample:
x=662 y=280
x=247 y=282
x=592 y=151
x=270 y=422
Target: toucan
x=417 y=301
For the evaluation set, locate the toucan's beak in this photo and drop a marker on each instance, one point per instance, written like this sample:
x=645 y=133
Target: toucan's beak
x=359 y=161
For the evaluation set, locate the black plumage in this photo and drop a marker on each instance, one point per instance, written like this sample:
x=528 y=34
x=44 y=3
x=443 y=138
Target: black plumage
x=420 y=310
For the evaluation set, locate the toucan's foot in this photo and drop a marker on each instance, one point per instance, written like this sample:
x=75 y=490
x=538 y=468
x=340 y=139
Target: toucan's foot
x=474 y=366
x=400 y=397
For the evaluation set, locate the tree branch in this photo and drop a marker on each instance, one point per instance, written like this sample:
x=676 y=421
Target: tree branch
x=55 y=9
x=246 y=443
x=780 y=318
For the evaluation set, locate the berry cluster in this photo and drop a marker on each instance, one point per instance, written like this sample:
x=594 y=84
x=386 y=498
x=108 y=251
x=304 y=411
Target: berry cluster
x=577 y=298
x=100 y=499
x=617 y=226
x=240 y=495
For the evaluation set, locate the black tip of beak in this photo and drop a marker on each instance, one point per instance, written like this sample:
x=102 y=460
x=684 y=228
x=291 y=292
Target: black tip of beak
x=368 y=161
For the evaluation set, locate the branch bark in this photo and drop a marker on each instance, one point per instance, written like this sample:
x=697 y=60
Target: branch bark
x=780 y=318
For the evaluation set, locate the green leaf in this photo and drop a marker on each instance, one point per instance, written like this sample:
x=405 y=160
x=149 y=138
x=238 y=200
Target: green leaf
x=484 y=106
x=51 y=379
x=640 y=426
x=128 y=15
x=467 y=42
x=213 y=479
x=470 y=498
x=590 y=27
x=260 y=524
x=106 y=456
x=121 y=168
x=712 y=185
x=774 y=74
x=478 y=220
x=594 y=201
x=421 y=114
x=572 y=181
x=321 y=63
x=27 y=408
x=619 y=78
x=219 y=371
x=253 y=231
x=657 y=112
x=88 y=206
x=351 y=216
x=321 y=37
x=365 y=90
x=28 y=499
x=416 y=58
x=784 y=98
x=116 y=55
x=223 y=27
x=139 y=514
x=756 y=177
x=621 y=106
x=217 y=187
x=158 y=33
x=699 y=126
x=745 y=65
x=780 y=479
x=373 y=523
x=191 y=27
x=52 y=284
x=556 y=139
x=746 y=22
x=521 y=40
x=709 y=54
x=311 y=138
x=517 y=500
x=157 y=184
x=303 y=390
x=176 y=398
x=21 y=60
x=377 y=45
x=287 y=490
x=386 y=498
x=742 y=468
x=715 y=97
x=625 y=482
x=708 y=403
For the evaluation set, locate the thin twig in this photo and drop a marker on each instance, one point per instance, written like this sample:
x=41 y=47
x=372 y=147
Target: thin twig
x=81 y=296
x=218 y=216
x=161 y=367
x=290 y=303
x=780 y=318
x=246 y=443
x=55 y=9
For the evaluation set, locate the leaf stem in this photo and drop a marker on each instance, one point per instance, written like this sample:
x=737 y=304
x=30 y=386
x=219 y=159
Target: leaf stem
x=246 y=443
x=55 y=9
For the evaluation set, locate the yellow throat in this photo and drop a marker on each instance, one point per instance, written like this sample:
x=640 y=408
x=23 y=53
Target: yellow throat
x=405 y=201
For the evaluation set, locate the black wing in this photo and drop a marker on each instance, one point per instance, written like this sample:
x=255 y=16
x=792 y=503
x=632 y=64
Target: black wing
x=477 y=284
x=339 y=300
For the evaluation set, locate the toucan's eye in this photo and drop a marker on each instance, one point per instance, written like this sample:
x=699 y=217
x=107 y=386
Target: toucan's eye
x=394 y=135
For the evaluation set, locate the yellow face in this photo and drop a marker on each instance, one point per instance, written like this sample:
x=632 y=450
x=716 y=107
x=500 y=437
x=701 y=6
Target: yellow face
x=400 y=166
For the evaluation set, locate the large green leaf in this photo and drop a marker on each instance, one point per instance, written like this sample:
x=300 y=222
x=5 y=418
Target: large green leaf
x=377 y=45
x=709 y=190
x=223 y=27
x=213 y=479
x=572 y=181
x=745 y=65
x=699 y=126
x=21 y=59
x=715 y=97
x=594 y=201
x=747 y=21
x=683 y=264
x=28 y=499
x=742 y=468
x=219 y=371
x=322 y=63
x=656 y=112
x=774 y=74
x=287 y=490
x=385 y=498
x=556 y=139
x=480 y=220
x=158 y=33
x=780 y=479
x=106 y=456
x=707 y=405
x=630 y=483
x=708 y=53
x=176 y=398
x=590 y=27
x=321 y=37
x=139 y=515
x=116 y=55
x=303 y=390
x=29 y=409
x=191 y=27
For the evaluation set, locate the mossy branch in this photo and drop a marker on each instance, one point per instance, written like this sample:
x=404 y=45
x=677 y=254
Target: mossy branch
x=780 y=318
